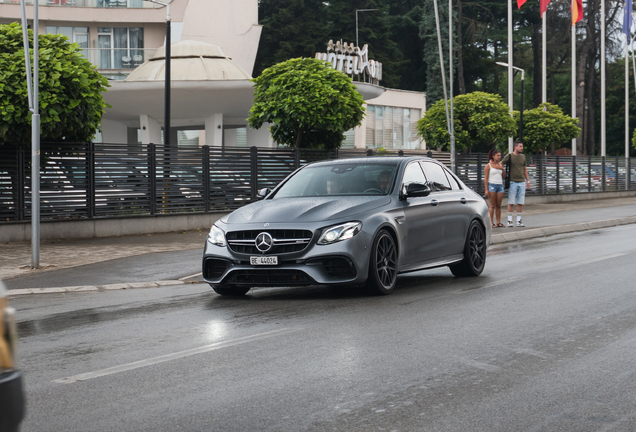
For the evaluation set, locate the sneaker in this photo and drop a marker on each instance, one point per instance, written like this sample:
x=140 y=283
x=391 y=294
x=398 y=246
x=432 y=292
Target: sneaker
x=520 y=224
x=510 y=224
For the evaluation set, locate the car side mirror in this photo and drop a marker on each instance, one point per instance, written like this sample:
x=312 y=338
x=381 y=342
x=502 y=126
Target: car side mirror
x=413 y=190
x=262 y=193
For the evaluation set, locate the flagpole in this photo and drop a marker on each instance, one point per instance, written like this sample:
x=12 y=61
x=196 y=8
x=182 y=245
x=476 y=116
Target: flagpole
x=441 y=64
x=510 y=76
x=544 y=77
x=573 y=82
x=603 y=118
x=627 y=29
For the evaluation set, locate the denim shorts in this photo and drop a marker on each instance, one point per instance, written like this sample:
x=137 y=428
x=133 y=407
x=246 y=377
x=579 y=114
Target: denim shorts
x=496 y=188
x=517 y=193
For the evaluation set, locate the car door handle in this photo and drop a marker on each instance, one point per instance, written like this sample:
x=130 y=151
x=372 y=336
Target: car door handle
x=463 y=200
x=434 y=203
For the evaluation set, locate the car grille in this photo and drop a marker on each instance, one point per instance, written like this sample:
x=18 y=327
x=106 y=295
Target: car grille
x=214 y=268
x=284 y=241
x=269 y=277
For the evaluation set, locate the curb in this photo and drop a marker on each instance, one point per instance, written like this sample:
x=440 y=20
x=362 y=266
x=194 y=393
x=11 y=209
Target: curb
x=494 y=239
x=89 y=288
x=559 y=229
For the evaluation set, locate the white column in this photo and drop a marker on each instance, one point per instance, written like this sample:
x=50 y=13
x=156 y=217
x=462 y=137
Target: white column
x=214 y=130
x=150 y=130
x=260 y=137
x=511 y=99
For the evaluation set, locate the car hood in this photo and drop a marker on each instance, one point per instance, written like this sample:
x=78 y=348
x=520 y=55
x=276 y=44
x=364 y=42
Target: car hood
x=309 y=209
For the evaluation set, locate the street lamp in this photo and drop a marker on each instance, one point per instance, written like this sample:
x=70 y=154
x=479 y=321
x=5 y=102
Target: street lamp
x=166 y=117
x=33 y=90
x=360 y=10
x=523 y=74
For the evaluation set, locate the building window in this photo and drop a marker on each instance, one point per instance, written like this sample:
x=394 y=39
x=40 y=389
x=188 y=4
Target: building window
x=119 y=47
x=392 y=127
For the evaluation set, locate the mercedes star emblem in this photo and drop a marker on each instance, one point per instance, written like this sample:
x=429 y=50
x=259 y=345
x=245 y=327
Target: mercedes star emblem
x=264 y=242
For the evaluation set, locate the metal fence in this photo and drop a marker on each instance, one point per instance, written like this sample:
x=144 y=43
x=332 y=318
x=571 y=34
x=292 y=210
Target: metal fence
x=86 y=180
x=559 y=174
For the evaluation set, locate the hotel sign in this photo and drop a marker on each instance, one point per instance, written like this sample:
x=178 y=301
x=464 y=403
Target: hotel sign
x=351 y=59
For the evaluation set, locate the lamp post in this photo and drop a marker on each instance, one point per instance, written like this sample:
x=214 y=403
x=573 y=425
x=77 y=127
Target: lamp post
x=523 y=74
x=360 y=10
x=33 y=90
x=166 y=117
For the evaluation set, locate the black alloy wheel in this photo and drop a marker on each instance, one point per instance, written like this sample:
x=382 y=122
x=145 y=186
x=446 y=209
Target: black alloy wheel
x=383 y=265
x=230 y=290
x=474 y=253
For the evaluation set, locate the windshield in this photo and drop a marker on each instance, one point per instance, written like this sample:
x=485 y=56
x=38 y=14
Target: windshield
x=340 y=179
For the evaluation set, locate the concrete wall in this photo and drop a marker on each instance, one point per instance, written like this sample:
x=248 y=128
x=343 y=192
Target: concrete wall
x=114 y=132
x=51 y=230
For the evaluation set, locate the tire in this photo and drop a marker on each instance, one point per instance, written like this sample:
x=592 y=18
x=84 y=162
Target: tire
x=474 y=253
x=230 y=290
x=382 y=265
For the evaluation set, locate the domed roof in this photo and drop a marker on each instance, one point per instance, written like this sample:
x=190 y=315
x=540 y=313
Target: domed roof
x=190 y=61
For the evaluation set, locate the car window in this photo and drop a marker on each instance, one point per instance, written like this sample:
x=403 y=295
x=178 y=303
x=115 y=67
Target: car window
x=436 y=176
x=453 y=180
x=339 y=179
x=413 y=174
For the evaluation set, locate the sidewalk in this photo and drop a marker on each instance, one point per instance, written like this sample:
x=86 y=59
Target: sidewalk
x=81 y=256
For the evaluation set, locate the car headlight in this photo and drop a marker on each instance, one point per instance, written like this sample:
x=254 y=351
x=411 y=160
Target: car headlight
x=217 y=236
x=339 y=232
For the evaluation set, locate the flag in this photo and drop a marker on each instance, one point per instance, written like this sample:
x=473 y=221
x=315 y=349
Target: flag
x=627 y=20
x=544 y=6
x=577 y=11
x=520 y=3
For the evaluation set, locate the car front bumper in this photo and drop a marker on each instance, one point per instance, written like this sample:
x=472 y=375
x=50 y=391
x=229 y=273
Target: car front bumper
x=342 y=263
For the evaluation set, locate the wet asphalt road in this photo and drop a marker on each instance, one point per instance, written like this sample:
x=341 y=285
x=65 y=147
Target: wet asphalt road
x=544 y=340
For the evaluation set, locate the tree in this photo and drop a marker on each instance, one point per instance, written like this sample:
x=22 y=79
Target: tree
x=428 y=33
x=373 y=30
x=543 y=127
x=481 y=120
x=291 y=28
x=70 y=100
x=310 y=104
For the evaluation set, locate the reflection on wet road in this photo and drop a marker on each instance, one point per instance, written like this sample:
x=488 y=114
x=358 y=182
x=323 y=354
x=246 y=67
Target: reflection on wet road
x=545 y=333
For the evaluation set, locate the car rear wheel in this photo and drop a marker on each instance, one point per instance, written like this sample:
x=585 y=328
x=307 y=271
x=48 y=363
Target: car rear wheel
x=230 y=290
x=382 y=265
x=474 y=253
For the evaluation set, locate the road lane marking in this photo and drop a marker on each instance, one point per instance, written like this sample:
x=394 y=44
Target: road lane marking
x=594 y=260
x=174 y=356
x=493 y=284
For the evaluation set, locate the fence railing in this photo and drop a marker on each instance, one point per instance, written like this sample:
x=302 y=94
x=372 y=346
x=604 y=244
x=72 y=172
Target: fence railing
x=118 y=58
x=107 y=180
x=82 y=180
x=559 y=174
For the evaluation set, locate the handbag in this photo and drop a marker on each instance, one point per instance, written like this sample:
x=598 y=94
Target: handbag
x=507 y=180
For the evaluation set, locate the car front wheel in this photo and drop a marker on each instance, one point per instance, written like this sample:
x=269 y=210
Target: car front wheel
x=383 y=265
x=474 y=253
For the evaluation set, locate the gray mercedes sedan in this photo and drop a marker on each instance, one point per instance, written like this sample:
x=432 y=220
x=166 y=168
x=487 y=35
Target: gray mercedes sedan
x=355 y=222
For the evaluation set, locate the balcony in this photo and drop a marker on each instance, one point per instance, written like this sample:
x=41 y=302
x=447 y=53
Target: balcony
x=135 y=4
x=122 y=60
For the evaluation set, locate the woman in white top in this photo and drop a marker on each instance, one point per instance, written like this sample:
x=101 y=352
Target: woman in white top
x=494 y=174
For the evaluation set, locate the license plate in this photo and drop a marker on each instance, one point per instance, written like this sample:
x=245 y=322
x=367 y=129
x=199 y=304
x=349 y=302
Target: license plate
x=264 y=260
